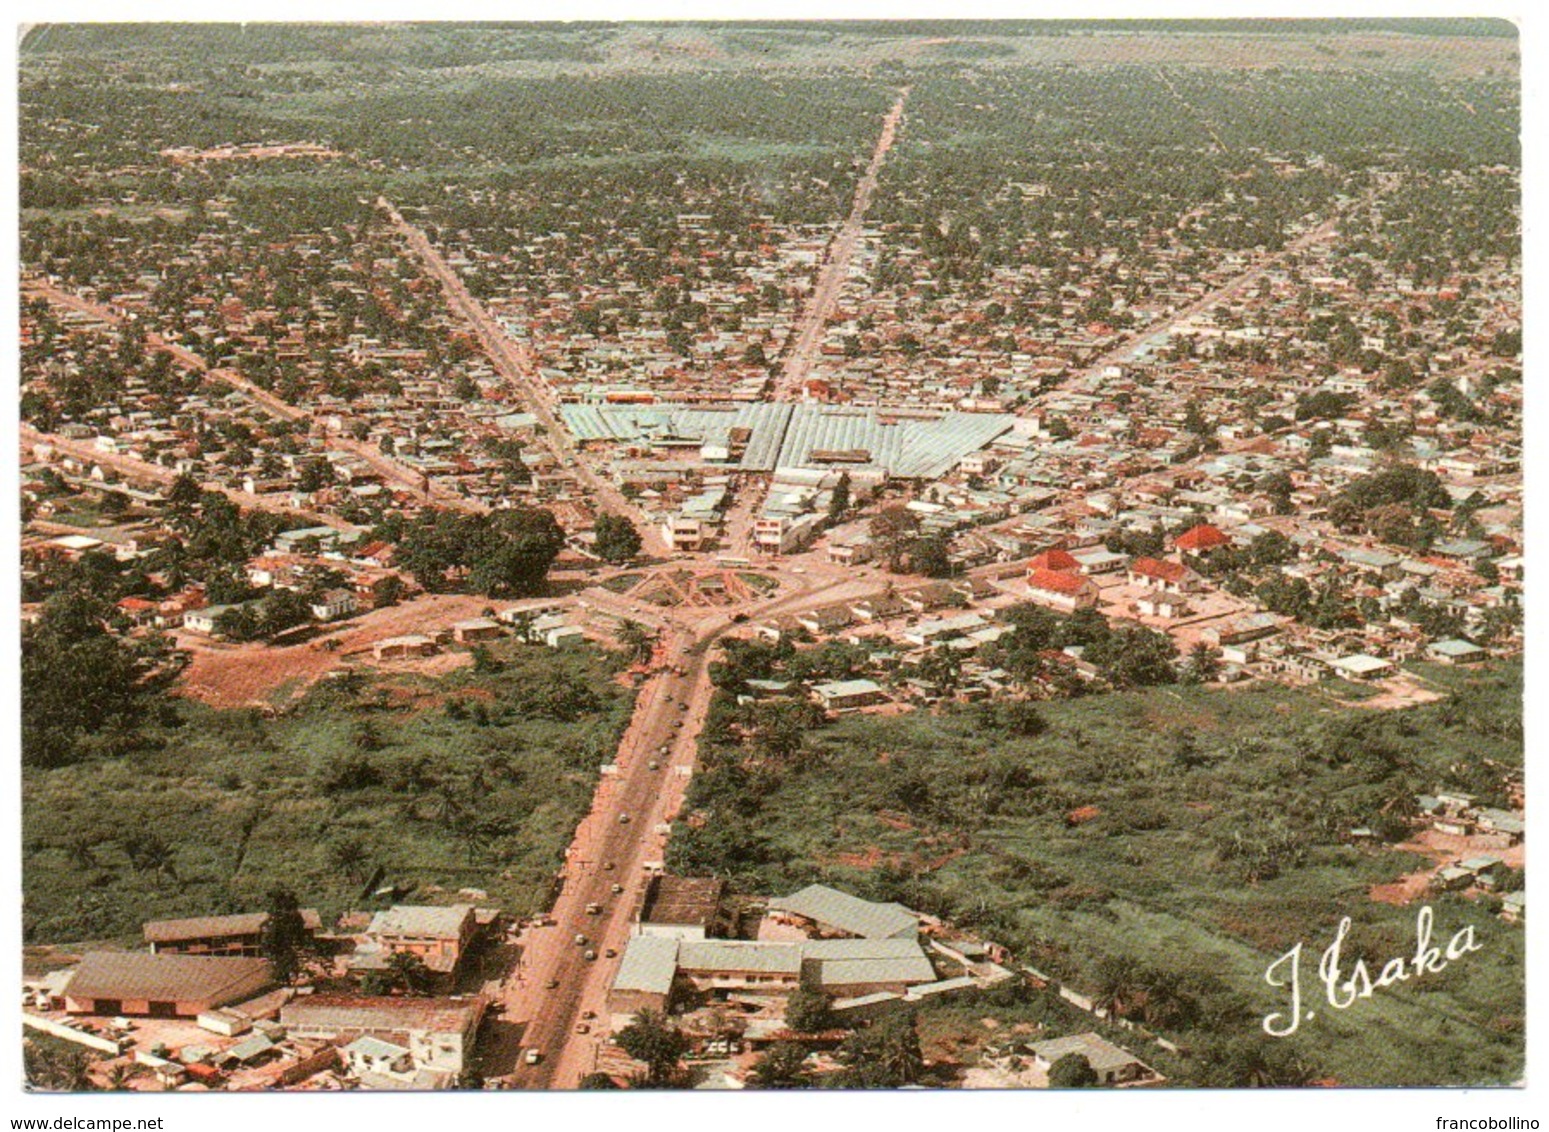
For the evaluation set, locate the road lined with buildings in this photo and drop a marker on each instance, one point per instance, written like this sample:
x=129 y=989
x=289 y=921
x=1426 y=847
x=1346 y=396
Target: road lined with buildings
x=388 y=468
x=1233 y=288
x=622 y=839
x=516 y=364
x=87 y=453
x=836 y=267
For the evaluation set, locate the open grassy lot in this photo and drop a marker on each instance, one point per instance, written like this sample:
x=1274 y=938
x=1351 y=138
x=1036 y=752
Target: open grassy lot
x=1189 y=831
x=475 y=780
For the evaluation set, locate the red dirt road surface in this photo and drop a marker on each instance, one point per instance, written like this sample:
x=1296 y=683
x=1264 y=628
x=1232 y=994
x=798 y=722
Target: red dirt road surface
x=232 y=675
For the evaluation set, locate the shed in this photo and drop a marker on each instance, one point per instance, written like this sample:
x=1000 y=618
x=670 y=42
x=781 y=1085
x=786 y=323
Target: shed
x=128 y=983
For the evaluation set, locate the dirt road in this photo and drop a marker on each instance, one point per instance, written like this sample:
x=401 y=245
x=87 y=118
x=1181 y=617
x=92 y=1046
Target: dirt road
x=142 y=471
x=389 y=469
x=519 y=367
x=836 y=267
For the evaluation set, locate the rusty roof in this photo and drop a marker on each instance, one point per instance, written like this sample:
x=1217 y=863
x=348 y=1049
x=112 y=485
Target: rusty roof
x=207 y=979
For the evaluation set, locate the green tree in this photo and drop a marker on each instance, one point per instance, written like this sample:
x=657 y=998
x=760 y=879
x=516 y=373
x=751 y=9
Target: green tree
x=410 y=973
x=638 y=641
x=83 y=689
x=1204 y=664
x=618 y=541
x=597 y=1081
x=894 y=529
x=52 y=1066
x=781 y=1066
x=807 y=1011
x=1073 y=1071
x=929 y=556
x=839 y=501
x=284 y=939
x=652 y=1039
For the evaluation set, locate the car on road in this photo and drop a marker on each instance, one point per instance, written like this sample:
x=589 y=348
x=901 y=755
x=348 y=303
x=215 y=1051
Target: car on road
x=653 y=765
x=580 y=940
x=583 y=1027
x=552 y=984
x=588 y=1014
x=590 y=955
x=607 y=866
x=623 y=819
x=594 y=909
x=533 y=1056
x=611 y=953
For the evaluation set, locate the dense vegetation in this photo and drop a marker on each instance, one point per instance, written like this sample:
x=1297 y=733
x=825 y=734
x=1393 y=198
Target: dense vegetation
x=475 y=779
x=85 y=690
x=1159 y=846
x=503 y=554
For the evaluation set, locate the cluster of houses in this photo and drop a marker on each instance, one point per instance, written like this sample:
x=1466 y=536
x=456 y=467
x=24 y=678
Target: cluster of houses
x=201 y=1008
x=381 y=412
x=533 y=622
x=865 y=957
x=1459 y=815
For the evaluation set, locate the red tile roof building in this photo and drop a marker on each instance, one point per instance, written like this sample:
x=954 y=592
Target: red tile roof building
x=1061 y=591
x=1201 y=539
x=1159 y=574
x=1055 y=559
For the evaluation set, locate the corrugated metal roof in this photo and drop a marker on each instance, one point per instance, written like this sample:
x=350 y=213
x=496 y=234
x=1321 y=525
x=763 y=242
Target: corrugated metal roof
x=211 y=980
x=341 y=1013
x=784 y=435
x=848 y=913
x=421 y=921
x=205 y=927
x=832 y=973
x=648 y=965
x=739 y=955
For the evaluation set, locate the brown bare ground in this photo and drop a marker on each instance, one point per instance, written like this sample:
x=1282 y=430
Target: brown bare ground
x=1400 y=692
x=233 y=675
x=871 y=858
x=1442 y=848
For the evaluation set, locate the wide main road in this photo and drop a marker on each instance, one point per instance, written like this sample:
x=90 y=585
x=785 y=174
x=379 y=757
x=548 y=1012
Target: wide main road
x=628 y=827
x=519 y=367
x=836 y=267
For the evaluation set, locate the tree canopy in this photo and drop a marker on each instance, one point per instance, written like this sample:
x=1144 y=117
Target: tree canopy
x=503 y=554
x=83 y=688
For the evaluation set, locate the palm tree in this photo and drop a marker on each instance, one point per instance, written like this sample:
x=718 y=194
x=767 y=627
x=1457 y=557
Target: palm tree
x=149 y=853
x=348 y=855
x=1116 y=989
x=638 y=641
x=898 y=1053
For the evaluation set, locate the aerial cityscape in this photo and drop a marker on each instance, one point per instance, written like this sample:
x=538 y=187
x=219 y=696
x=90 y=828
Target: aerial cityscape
x=771 y=555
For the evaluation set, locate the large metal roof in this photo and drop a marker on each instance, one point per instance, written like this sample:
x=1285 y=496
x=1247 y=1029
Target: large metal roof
x=903 y=443
x=846 y=913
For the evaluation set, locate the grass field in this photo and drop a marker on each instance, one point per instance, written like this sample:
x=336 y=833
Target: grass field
x=1194 y=831
x=474 y=780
